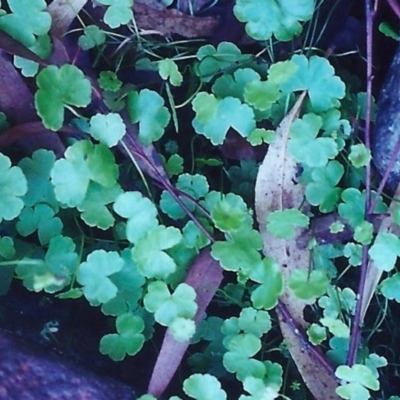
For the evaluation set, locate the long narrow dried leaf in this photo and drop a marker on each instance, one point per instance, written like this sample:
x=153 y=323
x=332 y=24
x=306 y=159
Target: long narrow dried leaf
x=374 y=273
x=277 y=189
x=205 y=277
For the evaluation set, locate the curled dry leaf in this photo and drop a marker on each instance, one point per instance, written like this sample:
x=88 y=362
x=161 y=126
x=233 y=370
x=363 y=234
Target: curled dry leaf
x=277 y=189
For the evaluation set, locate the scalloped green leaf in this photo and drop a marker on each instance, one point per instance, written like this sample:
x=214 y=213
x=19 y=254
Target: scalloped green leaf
x=147 y=108
x=281 y=18
x=204 y=387
x=166 y=306
x=93 y=36
x=238 y=357
x=13 y=185
x=385 y=250
x=107 y=128
x=54 y=271
x=213 y=61
x=308 y=286
x=84 y=162
x=228 y=113
x=129 y=339
x=149 y=254
x=37 y=171
x=40 y=218
x=140 y=212
x=168 y=70
x=390 y=287
x=283 y=223
x=234 y=85
x=27 y=20
x=303 y=134
x=93 y=275
x=322 y=191
x=93 y=208
x=317 y=76
x=119 y=12
x=268 y=274
x=60 y=87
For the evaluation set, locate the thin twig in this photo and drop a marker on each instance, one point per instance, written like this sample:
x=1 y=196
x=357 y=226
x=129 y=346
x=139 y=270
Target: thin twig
x=356 y=325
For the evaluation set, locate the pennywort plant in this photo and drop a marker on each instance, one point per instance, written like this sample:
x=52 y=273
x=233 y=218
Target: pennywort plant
x=124 y=231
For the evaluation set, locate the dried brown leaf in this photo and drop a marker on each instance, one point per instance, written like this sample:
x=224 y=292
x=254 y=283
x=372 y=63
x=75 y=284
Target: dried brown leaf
x=277 y=189
x=374 y=273
x=63 y=12
x=171 y=21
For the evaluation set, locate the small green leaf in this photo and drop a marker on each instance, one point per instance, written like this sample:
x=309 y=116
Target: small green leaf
x=269 y=275
x=203 y=387
x=108 y=129
x=363 y=232
x=308 y=286
x=266 y=18
x=149 y=254
x=336 y=327
x=353 y=252
x=261 y=94
x=168 y=70
x=108 y=80
x=93 y=36
x=234 y=85
x=41 y=47
x=60 y=87
x=147 y=108
x=174 y=165
x=238 y=357
x=182 y=329
x=358 y=373
x=13 y=186
x=128 y=340
x=94 y=273
x=41 y=218
x=228 y=113
x=141 y=214
x=28 y=19
x=84 y=162
x=260 y=136
x=119 y=12
x=93 y=208
x=230 y=213
x=166 y=306
x=283 y=223
x=216 y=60
x=7 y=249
x=316 y=75
x=322 y=191
x=303 y=134
x=359 y=155
x=37 y=171
x=390 y=287
x=55 y=271
x=240 y=253
x=385 y=250
x=316 y=334
x=353 y=207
